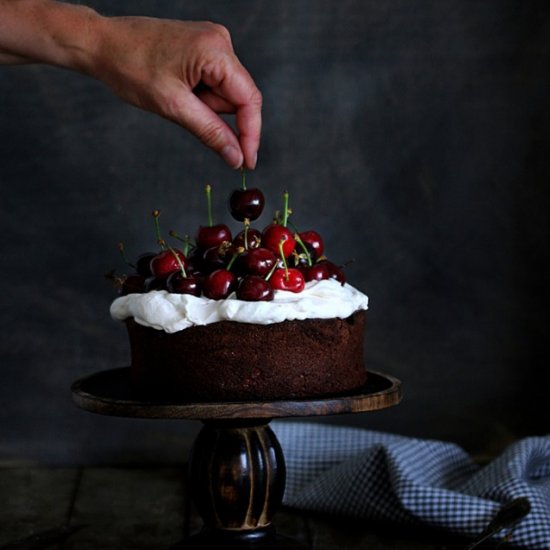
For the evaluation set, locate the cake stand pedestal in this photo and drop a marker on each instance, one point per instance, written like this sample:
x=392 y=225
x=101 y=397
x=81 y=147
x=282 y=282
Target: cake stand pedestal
x=236 y=466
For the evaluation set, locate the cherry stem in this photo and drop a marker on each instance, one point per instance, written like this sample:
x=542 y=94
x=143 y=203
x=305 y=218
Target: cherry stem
x=281 y=243
x=160 y=240
x=271 y=271
x=301 y=243
x=243 y=177
x=186 y=245
x=246 y=228
x=285 y=208
x=185 y=240
x=304 y=248
x=123 y=254
x=178 y=259
x=232 y=260
x=208 y=190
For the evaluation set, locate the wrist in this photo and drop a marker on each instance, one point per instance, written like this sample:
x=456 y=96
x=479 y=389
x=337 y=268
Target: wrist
x=46 y=31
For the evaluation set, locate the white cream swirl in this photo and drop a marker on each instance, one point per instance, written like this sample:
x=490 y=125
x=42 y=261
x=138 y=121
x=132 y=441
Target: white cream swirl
x=162 y=310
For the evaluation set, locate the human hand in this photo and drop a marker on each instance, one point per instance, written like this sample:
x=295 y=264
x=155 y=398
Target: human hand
x=186 y=72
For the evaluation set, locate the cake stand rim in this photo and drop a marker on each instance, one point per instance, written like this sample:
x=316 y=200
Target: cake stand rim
x=354 y=402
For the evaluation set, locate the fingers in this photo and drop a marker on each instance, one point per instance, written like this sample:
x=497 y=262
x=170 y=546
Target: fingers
x=246 y=121
x=249 y=127
x=197 y=117
x=215 y=102
x=233 y=87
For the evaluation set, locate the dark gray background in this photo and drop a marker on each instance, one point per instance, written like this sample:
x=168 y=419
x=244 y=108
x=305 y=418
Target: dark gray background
x=413 y=135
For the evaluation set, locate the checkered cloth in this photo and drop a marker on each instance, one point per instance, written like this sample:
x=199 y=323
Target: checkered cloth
x=379 y=476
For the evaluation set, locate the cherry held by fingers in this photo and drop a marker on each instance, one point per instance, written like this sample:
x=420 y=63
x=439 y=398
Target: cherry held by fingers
x=246 y=204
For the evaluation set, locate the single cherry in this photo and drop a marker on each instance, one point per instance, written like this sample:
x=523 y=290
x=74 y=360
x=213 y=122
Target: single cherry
x=253 y=288
x=258 y=261
x=132 y=284
x=274 y=234
x=337 y=273
x=155 y=283
x=246 y=204
x=219 y=284
x=214 y=258
x=314 y=243
x=277 y=237
x=165 y=262
x=211 y=235
x=316 y=272
x=290 y=279
x=177 y=283
x=143 y=263
x=248 y=238
x=324 y=269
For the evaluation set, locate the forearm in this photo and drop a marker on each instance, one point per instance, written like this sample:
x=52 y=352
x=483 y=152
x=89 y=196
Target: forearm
x=47 y=32
x=154 y=64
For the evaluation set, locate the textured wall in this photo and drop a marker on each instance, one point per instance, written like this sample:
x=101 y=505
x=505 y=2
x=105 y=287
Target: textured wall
x=414 y=136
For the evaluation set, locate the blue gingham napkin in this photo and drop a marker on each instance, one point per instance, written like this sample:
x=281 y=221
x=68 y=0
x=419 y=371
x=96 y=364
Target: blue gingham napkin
x=379 y=476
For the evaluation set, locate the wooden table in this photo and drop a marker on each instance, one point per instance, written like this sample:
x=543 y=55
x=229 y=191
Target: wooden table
x=146 y=508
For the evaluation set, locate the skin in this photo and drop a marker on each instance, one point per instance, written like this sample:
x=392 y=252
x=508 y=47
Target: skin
x=184 y=71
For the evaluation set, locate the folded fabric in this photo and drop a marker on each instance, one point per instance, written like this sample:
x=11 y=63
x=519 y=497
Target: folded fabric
x=379 y=476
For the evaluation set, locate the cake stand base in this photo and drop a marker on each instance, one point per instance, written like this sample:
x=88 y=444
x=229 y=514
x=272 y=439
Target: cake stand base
x=236 y=466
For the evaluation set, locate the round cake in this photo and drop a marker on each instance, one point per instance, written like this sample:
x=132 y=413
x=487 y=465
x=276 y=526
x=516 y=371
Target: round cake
x=259 y=315
x=295 y=346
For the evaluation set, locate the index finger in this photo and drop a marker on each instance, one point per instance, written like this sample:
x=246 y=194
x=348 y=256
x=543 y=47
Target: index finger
x=232 y=82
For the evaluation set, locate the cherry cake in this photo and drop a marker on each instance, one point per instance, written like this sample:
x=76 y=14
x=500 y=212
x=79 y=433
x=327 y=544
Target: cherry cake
x=259 y=315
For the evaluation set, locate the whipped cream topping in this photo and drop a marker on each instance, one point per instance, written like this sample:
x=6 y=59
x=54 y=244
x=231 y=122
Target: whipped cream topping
x=162 y=310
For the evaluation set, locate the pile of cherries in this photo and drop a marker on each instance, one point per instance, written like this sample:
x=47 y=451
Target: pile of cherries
x=253 y=263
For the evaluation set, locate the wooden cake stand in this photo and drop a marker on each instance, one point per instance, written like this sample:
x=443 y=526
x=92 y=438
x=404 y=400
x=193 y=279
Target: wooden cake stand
x=236 y=466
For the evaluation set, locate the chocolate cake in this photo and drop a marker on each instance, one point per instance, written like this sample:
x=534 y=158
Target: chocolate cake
x=228 y=361
x=262 y=315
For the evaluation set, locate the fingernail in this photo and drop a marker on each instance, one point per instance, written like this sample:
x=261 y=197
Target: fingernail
x=232 y=156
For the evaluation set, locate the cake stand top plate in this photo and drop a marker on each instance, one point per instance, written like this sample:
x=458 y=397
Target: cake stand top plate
x=108 y=392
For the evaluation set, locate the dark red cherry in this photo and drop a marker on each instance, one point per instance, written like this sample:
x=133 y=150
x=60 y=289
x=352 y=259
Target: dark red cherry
x=176 y=283
x=290 y=279
x=337 y=273
x=272 y=236
x=212 y=235
x=316 y=272
x=155 y=283
x=213 y=258
x=133 y=283
x=253 y=288
x=219 y=284
x=253 y=239
x=324 y=270
x=165 y=262
x=313 y=242
x=143 y=263
x=258 y=261
x=195 y=261
x=246 y=203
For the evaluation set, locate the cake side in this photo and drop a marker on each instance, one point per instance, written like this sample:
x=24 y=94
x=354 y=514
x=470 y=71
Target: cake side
x=228 y=361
